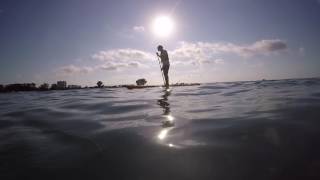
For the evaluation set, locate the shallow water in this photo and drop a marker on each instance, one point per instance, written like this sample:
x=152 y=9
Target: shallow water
x=238 y=130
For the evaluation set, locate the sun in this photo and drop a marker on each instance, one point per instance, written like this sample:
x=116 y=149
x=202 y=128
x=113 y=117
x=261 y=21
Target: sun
x=163 y=26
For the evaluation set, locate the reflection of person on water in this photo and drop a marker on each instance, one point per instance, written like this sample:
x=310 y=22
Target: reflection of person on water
x=165 y=105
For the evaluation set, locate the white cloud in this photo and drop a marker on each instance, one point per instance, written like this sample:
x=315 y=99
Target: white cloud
x=123 y=58
x=134 y=64
x=109 y=66
x=186 y=54
x=112 y=60
x=209 y=61
x=219 y=61
x=205 y=50
x=121 y=55
x=206 y=61
x=264 y=47
x=72 y=69
x=139 y=29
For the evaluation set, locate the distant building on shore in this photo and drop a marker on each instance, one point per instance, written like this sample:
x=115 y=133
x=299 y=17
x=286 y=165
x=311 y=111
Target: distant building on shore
x=62 y=85
x=54 y=87
x=74 y=87
x=21 y=87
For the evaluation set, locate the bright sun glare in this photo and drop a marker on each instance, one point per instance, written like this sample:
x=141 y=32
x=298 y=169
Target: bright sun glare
x=163 y=26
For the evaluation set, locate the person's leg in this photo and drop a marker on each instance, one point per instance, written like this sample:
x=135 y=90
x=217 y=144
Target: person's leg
x=166 y=76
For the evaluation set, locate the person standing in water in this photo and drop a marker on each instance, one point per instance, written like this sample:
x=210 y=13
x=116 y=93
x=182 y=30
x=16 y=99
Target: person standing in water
x=165 y=63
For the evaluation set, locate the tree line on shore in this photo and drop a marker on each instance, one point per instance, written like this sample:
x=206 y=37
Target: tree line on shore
x=43 y=87
x=62 y=85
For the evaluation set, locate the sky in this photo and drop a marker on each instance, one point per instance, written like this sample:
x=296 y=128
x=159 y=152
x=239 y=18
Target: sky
x=84 y=41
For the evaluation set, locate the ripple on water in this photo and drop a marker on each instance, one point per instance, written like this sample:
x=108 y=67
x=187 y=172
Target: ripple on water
x=216 y=129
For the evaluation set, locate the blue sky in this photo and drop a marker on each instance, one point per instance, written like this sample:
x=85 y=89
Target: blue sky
x=214 y=40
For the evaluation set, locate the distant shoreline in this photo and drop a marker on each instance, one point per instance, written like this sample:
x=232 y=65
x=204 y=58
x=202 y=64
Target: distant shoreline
x=26 y=87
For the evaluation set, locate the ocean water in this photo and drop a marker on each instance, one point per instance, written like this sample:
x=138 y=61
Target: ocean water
x=236 y=130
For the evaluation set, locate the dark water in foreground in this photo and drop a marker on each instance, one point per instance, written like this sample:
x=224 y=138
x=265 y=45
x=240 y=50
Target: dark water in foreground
x=240 y=130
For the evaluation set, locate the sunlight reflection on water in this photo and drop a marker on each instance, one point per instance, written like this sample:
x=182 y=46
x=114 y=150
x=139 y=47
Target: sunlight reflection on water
x=233 y=126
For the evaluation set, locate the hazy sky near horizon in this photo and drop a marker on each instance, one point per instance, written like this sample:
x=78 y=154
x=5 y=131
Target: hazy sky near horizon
x=112 y=41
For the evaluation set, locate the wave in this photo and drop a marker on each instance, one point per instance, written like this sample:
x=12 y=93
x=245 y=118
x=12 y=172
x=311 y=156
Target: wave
x=190 y=132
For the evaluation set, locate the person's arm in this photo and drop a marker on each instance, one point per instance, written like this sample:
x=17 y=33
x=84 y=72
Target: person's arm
x=161 y=56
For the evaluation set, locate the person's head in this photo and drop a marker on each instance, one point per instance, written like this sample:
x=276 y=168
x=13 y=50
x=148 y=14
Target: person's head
x=160 y=48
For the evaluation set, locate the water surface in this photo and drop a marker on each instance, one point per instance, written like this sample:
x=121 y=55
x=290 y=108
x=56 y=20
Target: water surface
x=237 y=130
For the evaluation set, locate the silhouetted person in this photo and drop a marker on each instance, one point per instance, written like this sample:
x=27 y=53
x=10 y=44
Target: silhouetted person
x=165 y=63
